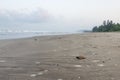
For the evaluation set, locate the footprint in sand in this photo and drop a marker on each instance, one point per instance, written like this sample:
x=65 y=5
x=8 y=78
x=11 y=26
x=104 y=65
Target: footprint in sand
x=95 y=61
x=59 y=79
x=40 y=73
x=54 y=50
x=37 y=63
x=45 y=70
x=33 y=75
x=88 y=66
x=100 y=65
x=77 y=66
x=2 y=61
x=79 y=77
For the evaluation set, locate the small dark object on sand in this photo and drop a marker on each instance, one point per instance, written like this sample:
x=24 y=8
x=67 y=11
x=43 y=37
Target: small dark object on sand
x=35 y=39
x=80 y=57
x=94 y=47
x=59 y=37
x=103 y=61
x=119 y=46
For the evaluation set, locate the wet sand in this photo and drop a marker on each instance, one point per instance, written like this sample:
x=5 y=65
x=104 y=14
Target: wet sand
x=54 y=57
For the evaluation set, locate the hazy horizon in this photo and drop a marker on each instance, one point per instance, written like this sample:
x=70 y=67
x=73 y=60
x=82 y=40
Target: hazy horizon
x=54 y=15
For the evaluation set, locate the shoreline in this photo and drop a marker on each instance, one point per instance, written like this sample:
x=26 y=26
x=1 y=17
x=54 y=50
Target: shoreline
x=29 y=35
x=42 y=36
x=47 y=35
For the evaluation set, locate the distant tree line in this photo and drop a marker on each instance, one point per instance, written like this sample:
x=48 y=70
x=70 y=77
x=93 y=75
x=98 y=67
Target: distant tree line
x=107 y=26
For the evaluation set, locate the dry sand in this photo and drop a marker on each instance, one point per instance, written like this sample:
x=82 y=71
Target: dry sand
x=53 y=57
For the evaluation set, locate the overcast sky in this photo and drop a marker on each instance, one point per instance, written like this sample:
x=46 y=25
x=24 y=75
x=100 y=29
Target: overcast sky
x=57 y=15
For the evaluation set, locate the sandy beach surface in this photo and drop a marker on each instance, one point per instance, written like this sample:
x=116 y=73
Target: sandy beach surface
x=54 y=57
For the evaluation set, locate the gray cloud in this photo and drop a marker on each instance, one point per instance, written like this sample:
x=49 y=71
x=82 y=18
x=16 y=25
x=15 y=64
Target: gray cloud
x=38 y=19
x=36 y=16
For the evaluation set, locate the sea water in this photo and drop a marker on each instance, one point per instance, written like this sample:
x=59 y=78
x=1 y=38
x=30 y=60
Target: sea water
x=15 y=35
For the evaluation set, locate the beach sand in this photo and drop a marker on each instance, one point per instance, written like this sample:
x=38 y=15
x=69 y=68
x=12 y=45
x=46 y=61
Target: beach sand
x=54 y=57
